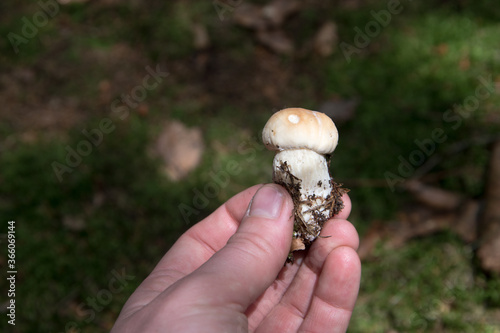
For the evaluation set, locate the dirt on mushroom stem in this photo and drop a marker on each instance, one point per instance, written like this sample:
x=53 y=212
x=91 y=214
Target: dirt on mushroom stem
x=304 y=231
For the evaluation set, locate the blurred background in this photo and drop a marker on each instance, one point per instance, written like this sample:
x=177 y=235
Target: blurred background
x=124 y=122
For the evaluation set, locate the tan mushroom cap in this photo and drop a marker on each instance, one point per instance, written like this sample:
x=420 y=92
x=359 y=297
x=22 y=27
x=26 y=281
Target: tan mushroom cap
x=297 y=128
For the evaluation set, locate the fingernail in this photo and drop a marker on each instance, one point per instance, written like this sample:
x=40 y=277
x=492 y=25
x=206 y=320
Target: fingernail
x=266 y=202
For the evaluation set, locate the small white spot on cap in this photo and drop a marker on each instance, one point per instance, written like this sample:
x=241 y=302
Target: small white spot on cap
x=293 y=118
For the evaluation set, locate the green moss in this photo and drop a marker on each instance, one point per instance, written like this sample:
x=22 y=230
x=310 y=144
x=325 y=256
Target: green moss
x=428 y=286
x=426 y=61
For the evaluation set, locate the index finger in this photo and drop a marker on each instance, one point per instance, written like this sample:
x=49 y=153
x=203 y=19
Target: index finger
x=210 y=235
x=203 y=239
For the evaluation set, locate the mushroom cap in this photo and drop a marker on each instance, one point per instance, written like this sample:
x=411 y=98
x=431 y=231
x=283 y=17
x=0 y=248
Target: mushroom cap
x=297 y=128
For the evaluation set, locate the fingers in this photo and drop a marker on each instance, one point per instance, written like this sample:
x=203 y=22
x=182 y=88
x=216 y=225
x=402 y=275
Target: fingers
x=272 y=296
x=344 y=213
x=253 y=256
x=335 y=233
x=205 y=238
x=295 y=304
x=336 y=292
x=239 y=267
x=192 y=249
x=258 y=310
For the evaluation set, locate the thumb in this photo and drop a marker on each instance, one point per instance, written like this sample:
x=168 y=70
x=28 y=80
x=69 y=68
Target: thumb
x=252 y=258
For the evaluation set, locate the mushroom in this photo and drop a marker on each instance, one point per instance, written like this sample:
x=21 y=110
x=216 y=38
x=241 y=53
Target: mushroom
x=303 y=141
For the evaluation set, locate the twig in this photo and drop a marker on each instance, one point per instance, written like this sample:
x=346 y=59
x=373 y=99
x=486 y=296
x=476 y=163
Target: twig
x=489 y=223
x=454 y=149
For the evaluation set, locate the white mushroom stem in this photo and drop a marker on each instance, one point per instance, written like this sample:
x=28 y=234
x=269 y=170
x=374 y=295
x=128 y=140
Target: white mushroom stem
x=310 y=170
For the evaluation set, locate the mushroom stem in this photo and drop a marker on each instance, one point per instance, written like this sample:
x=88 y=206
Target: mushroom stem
x=305 y=173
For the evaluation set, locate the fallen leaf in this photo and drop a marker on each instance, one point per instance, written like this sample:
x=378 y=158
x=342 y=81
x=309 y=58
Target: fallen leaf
x=297 y=245
x=180 y=148
x=276 y=40
x=250 y=16
x=326 y=39
x=201 y=39
x=270 y=16
x=278 y=10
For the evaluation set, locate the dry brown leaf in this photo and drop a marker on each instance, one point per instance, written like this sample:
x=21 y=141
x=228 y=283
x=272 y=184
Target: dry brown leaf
x=276 y=40
x=326 y=39
x=278 y=10
x=201 y=39
x=272 y=15
x=180 y=148
x=297 y=245
x=250 y=16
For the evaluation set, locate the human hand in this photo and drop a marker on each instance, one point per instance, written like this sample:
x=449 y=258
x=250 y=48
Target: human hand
x=226 y=274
